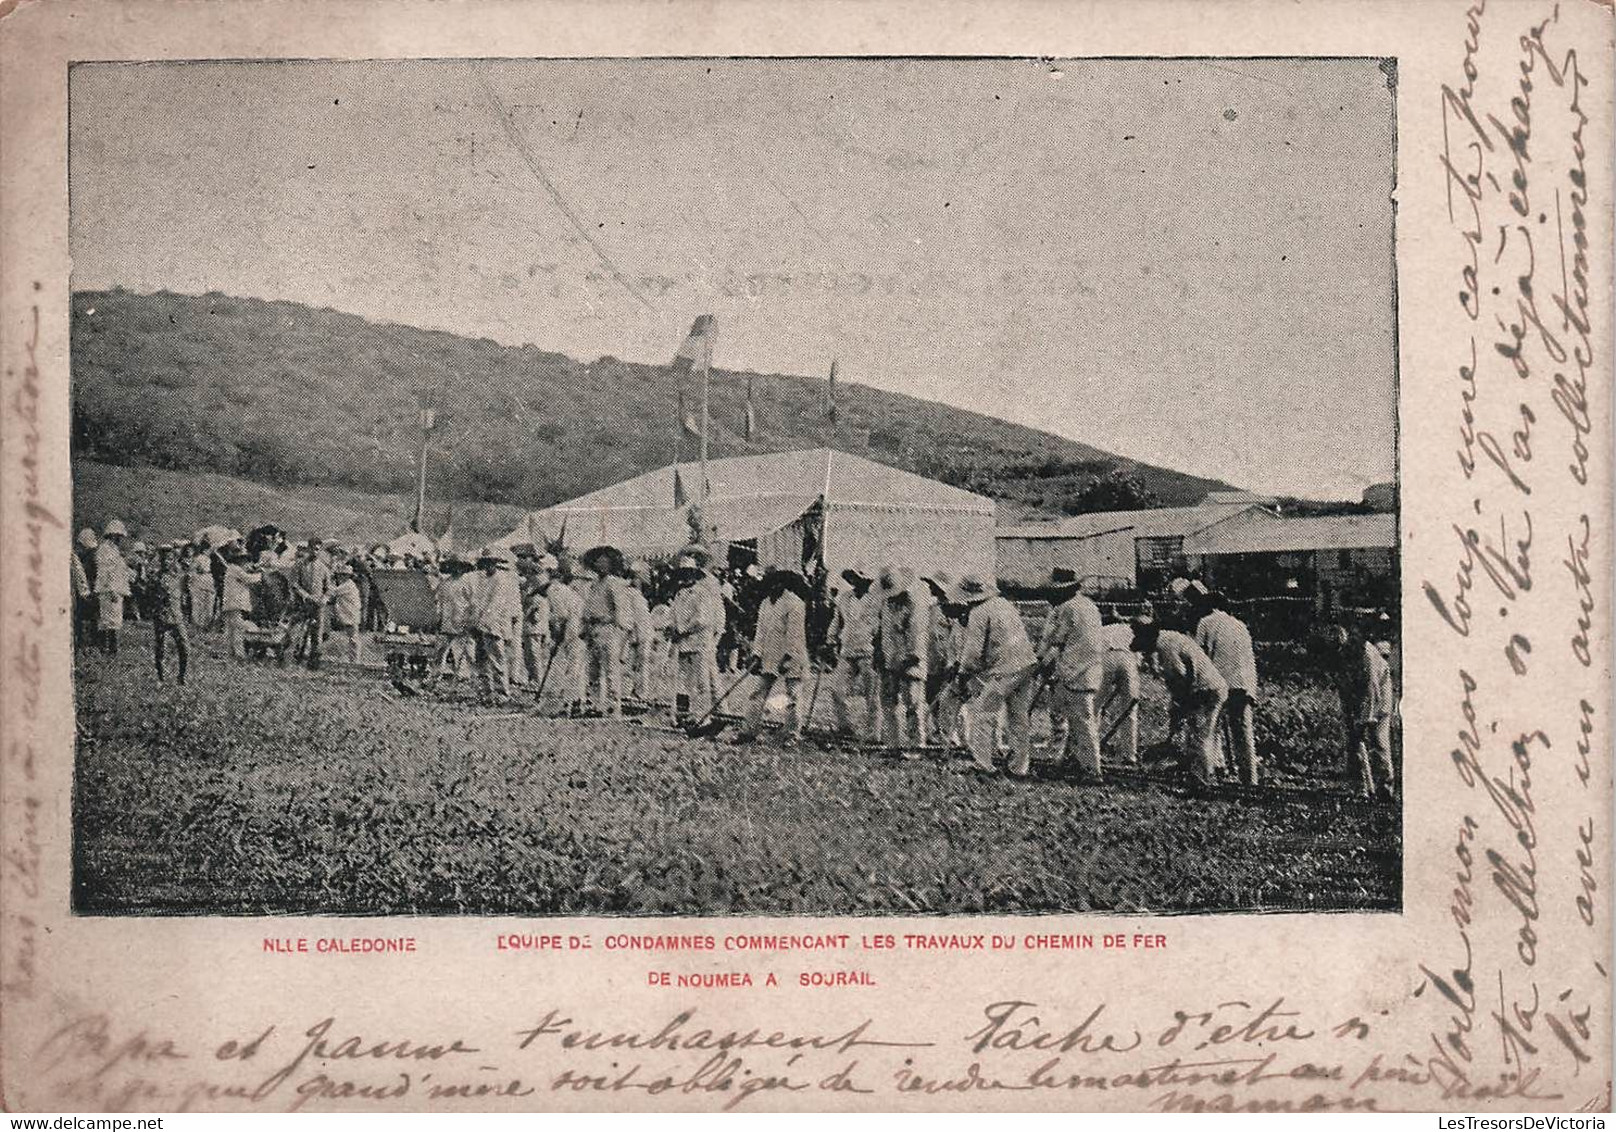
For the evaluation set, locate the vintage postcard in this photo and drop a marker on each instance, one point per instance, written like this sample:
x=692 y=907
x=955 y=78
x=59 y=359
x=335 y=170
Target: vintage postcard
x=991 y=556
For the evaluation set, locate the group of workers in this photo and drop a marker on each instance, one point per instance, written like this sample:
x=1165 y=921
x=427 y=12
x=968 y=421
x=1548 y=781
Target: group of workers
x=912 y=663
x=181 y=586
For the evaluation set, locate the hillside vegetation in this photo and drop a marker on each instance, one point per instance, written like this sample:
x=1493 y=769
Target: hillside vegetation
x=285 y=395
x=157 y=505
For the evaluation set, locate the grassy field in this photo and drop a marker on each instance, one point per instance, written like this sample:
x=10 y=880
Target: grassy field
x=257 y=790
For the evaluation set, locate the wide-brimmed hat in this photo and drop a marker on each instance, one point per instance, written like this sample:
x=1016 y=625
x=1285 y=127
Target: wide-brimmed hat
x=1060 y=578
x=608 y=557
x=974 y=588
x=855 y=574
x=115 y=527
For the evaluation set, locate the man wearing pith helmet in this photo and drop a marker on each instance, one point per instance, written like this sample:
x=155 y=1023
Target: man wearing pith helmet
x=697 y=617
x=111 y=584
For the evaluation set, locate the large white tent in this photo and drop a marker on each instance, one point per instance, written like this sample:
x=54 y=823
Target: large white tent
x=782 y=505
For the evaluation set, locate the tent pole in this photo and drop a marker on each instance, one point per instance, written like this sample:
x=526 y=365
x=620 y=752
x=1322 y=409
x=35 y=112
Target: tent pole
x=824 y=507
x=706 y=374
x=428 y=419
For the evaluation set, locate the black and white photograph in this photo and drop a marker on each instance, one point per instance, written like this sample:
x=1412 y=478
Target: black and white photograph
x=735 y=486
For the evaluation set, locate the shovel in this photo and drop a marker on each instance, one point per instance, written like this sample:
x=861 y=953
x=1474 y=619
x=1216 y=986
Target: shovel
x=538 y=696
x=808 y=719
x=709 y=725
x=1117 y=722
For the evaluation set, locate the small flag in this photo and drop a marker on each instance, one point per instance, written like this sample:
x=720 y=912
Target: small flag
x=830 y=394
x=697 y=349
x=686 y=422
x=446 y=540
x=751 y=417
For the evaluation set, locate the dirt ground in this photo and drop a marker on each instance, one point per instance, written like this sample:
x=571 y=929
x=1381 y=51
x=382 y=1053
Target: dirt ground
x=258 y=790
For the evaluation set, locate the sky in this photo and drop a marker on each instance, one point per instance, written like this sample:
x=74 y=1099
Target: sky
x=1186 y=262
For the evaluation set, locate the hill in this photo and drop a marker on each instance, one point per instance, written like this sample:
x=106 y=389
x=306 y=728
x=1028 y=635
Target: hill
x=285 y=395
x=157 y=505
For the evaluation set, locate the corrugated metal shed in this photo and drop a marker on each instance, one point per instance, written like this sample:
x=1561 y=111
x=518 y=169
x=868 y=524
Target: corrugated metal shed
x=1263 y=533
x=1104 y=544
x=1158 y=522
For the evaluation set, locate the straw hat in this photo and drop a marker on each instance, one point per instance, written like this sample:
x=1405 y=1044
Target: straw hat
x=973 y=588
x=1060 y=578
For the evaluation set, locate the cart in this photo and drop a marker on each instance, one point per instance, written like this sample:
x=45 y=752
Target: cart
x=262 y=641
x=410 y=641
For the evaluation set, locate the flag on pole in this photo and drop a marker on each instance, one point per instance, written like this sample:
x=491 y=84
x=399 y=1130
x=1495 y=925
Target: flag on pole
x=830 y=394
x=751 y=417
x=446 y=540
x=697 y=348
x=687 y=423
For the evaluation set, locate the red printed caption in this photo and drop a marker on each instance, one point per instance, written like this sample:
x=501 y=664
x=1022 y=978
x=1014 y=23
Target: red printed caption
x=829 y=974
x=339 y=945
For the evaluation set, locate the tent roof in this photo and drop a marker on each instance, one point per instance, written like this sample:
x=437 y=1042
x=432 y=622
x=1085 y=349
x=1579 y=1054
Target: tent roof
x=749 y=496
x=841 y=477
